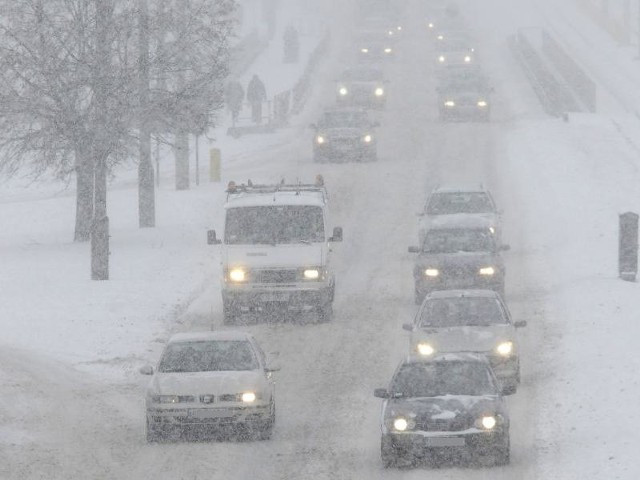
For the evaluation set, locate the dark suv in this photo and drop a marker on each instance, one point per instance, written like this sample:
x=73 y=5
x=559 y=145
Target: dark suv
x=447 y=406
x=458 y=254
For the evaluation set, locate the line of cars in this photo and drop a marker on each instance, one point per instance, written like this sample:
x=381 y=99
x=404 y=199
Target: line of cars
x=445 y=400
x=347 y=131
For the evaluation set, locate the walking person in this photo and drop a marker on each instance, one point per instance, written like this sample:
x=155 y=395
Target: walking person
x=256 y=94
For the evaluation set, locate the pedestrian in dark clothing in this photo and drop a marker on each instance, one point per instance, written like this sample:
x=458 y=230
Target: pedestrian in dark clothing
x=256 y=94
x=234 y=96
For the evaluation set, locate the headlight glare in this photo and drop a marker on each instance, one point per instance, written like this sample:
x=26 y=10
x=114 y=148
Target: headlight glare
x=364 y=50
x=237 y=275
x=311 y=274
x=488 y=422
x=467 y=59
x=367 y=138
x=432 y=272
x=505 y=348
x=441 y=59
x=400 y=424
x=483 y=103
x=449 y=103
x=343 y=91
x=320 y=140
x=388 y=50
x=425 y=349
x=248 y=397
x=487 y=271
x=379 y=91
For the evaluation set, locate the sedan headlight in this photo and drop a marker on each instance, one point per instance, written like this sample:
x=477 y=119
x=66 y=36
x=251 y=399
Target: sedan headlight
x=482 y=104
x=492 y=230
x=430 y=25
x=248 y=397
x=441 y=58
x=343 y=91
x=367 y=139
x=388 y=50
x=311 y=274
x=449 y=103
x=488 y=271
x=432 y=272
x=320 y=140
x=505 y=348
x=487 y=422
x=364 y=50
x=425 y=349
x=237 y=275
x=467 y=58
x=402 y=424
x=379 y=92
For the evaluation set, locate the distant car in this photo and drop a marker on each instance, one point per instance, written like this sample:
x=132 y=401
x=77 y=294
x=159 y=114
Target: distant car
x=464 y=94
x=451 y=202
x=362 y=85
x=216 y=381
x=454 y=49
x=469 y=321
x=375 y=48
x=458 y=254
x=447 y=405
x=345 y=134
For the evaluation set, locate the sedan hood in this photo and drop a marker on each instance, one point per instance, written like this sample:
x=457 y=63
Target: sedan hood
x=210 y=383
x=344 y=132
x=465 y=339
x=446 y=408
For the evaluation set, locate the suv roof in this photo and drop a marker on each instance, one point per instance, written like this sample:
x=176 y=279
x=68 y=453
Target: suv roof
x=246 y=195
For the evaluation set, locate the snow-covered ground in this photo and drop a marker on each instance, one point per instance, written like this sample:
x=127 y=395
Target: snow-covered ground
x=72 y=398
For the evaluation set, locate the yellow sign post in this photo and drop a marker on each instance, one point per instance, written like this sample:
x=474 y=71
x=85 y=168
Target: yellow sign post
x=214 y=164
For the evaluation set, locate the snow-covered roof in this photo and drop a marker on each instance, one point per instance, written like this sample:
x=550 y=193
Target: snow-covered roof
x=451 y=188
x=254 y=199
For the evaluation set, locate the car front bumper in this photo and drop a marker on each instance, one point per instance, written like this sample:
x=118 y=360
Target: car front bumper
x=465 y=113
x=293 y=297
x=344 y=150
x=159 y=417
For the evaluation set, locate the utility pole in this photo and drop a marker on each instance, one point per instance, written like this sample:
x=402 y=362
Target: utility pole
x=146 y=192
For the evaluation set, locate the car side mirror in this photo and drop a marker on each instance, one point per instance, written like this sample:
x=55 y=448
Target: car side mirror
x=408 y=327
x=381 y=393
x=337 y=235
x=520 y=324
x=507 y=390
x=414 y=249
x=272 y=368
x=212 y=239
x=146 y=370
x=504 y=247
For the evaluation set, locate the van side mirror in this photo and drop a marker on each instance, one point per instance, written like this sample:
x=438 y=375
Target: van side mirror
x=414 y=249
x=212 y=239
x=337 y=235
x=381 y=393
x=520 y=324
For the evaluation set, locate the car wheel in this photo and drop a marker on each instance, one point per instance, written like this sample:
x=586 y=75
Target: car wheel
x=325 y=312
x=503 y=455
x=388 y=453
x=229 y=313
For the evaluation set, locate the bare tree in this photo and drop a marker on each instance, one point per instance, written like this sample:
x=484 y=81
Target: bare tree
x=79 y=90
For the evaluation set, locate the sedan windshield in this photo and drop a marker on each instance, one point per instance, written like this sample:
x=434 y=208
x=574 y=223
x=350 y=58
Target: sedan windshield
x=458 y=240
x=462 y=311
x=280 y=224
x=208 y=356
x=344 y=119
x=459 y=202
x=442 y=378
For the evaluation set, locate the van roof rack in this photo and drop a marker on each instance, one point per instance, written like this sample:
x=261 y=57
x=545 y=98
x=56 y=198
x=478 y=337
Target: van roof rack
x=247 y=188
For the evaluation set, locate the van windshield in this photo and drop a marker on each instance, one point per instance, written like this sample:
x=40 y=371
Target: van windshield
x=274 y=224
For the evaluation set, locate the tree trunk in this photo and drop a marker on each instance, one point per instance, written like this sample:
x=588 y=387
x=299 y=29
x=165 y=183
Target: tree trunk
x=84 y=196
x=181 y=146
x=146 y=192
x=100 y=226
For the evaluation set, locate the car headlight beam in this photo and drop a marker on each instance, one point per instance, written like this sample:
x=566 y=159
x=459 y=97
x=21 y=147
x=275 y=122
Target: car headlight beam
x=248 y=397
x=488 y=422
x=449 y=103
x=505 y=348
x=400 y=424
x=237 y=275
x=431 y=272
x=343 y=91
x=311 y=274
x=425 y=349
x=482 y=104
x=487 y=271
x=320 y=140
x=367 y=139
x=379 y=92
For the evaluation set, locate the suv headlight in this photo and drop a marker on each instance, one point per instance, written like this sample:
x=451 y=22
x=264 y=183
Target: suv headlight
x=379 y=92
x=488 y=422
x=367 y=138
x=320 y=140
x=441 y=58
x=505 y=349
x=467 y=59
x=237 y=274
x=402 y=424
x=343 y=91
x=488 y=271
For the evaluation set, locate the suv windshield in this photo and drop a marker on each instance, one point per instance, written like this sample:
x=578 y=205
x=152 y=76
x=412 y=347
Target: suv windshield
x=208 y=356
x=462 y=311
x=458 y=240
x=340 y=119
x=447 y=203
x=442 y=378
x=272 y=225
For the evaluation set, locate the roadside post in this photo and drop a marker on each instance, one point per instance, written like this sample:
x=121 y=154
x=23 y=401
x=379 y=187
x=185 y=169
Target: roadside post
x=214 y=164
x=628 y=247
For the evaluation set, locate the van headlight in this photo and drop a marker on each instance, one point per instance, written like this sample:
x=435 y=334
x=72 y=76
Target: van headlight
x=487 y=422
x=487 y=271
x=311 y=273
x=402 y=424
x=425 y=349
x=431 y=272
x=237 y=274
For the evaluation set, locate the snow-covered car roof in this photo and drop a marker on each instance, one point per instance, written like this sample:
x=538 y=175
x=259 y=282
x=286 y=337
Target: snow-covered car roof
x=221 y=335
x=460 y=188
x=276 y=198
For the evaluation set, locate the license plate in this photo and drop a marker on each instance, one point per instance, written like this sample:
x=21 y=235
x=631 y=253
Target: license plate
x=209 y=413
x=444 y=442
x=274 y=297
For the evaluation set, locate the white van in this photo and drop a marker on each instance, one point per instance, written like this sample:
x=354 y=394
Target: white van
x=276 y=250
